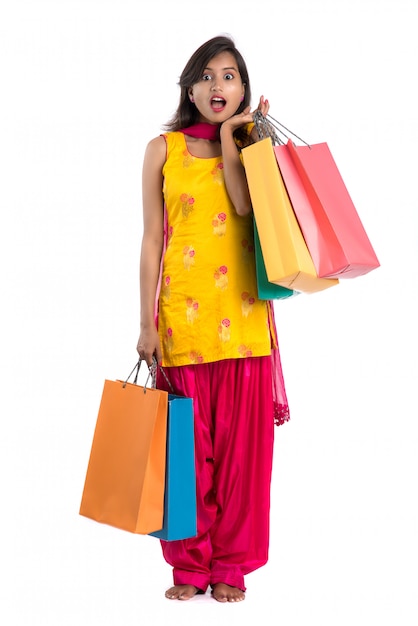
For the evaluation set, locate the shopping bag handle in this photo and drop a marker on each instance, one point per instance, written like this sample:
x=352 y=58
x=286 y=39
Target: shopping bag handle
x=152 y=370
x=268 y=126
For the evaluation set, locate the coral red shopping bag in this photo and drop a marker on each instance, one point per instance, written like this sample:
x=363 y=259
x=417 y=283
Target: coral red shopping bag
x=335 y=236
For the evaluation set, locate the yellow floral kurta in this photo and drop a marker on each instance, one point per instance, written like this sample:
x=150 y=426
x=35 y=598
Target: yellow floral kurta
x=208 y=305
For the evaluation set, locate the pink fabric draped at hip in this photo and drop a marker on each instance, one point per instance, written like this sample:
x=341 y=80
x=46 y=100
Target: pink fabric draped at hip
x=233 y=407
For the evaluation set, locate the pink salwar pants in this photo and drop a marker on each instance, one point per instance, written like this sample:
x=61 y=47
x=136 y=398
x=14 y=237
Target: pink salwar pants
x=233 y=407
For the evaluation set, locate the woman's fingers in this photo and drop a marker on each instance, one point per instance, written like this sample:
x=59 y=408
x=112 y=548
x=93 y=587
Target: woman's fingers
x=263 y=105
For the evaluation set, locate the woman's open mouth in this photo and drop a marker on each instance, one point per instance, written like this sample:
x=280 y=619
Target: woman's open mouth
x=217 y=104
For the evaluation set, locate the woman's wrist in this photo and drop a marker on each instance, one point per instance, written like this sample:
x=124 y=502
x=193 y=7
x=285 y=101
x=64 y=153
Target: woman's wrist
x=147 y=324
x=227 y=130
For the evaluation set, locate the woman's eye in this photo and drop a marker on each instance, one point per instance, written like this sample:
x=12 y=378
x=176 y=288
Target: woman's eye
x=229 y=76
x=206 y=77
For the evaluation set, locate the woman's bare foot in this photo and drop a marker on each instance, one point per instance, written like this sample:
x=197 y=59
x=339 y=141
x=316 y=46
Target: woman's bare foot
x=181 y=592
x=225 y=593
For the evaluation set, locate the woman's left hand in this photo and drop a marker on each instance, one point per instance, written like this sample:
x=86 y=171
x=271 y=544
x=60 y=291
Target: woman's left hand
x=246 y=116
x=263 y=106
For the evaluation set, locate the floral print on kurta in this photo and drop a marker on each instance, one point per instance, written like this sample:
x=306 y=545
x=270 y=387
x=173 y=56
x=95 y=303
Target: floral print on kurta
x=187 y=204
x=221 y=277
x=208 y=309
x=188 y=257
x=219 y=224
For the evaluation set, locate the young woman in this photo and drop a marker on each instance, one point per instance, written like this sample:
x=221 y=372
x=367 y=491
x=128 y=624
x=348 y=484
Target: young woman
x=202 y=320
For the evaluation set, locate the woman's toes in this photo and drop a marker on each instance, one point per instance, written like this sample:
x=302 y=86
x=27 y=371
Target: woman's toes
x=181 y=592
x=225 y=593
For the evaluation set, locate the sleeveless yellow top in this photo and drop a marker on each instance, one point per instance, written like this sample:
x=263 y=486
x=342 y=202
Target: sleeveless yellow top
x=208 y=306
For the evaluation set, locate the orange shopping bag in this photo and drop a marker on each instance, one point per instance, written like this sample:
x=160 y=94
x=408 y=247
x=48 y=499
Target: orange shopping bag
x=286 y=257
x=125 y=479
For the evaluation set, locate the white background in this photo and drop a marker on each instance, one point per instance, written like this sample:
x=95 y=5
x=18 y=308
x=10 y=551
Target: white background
x=84 y=85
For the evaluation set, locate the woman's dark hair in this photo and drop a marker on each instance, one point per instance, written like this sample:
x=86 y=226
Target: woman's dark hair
x=186 y=113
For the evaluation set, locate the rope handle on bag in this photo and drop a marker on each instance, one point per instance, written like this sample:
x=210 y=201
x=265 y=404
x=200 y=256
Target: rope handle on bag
x=152 y=373
x=268 y=126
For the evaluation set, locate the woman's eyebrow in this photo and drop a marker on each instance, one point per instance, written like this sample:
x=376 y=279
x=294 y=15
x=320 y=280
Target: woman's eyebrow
x=222 y=69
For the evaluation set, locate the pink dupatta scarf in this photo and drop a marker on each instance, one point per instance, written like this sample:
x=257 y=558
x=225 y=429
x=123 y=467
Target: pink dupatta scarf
x=203 y=130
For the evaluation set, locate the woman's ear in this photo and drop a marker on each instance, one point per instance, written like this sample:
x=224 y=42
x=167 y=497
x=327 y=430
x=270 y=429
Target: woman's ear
x=190 y=93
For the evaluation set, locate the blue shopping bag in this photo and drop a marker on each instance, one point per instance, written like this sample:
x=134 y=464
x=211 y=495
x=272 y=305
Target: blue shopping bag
x=180 y=481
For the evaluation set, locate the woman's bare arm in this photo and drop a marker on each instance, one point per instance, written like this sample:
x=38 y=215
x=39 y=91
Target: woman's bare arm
x=152 y=246
x=234 y=172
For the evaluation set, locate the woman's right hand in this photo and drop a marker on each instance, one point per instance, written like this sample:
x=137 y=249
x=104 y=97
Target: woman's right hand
x=149 y=345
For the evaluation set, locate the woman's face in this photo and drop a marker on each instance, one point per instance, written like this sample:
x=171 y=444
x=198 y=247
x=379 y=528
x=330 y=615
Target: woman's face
x=220 y=90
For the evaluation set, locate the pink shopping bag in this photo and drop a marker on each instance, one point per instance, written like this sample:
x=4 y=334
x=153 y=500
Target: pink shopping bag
x=334 y=234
